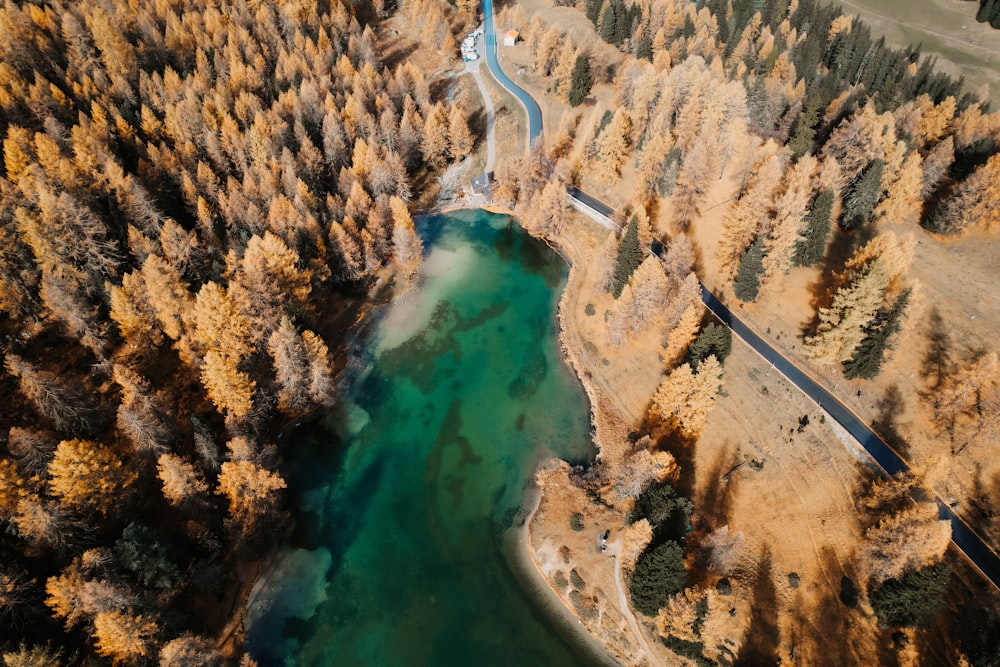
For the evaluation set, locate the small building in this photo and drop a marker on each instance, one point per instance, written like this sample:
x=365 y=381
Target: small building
x=510 y=37
x=481 y=184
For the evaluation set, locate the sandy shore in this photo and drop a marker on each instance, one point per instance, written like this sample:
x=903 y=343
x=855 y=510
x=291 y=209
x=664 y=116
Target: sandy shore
x=523 y=564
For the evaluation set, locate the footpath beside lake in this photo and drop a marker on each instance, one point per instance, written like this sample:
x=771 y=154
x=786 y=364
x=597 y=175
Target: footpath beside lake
x=407 y=491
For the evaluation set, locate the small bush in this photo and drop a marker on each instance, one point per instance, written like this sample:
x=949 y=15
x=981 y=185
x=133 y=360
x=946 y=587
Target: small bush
x=576 y=522
x=590 y=309
x=724 y=587
x=793 y=580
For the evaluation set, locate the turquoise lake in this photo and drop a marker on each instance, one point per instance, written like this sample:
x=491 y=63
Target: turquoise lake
x=405 y=492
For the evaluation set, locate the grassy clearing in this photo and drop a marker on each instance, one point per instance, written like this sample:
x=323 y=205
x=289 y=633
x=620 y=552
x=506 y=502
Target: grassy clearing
x=946 y=29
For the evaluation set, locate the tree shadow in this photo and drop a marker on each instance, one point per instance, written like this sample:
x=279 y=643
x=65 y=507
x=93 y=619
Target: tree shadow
x=938 y=363
x=397 y=53
x=831 y=632
x=763 y=635
x=477 y=125
x=982 y=502
x=715 y=500
x=838 y=252
x=889 y=408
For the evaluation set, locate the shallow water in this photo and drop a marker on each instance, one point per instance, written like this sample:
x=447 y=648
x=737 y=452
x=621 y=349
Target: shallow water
x=404 y=492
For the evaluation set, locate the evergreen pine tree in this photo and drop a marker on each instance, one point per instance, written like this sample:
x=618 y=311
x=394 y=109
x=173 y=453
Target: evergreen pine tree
x=594 y=10
x=644 y=49
x=623 y=23
x=805 y=130
x=866 y=362
x=810 y=248
x=865 y=192
x=714 y=339
x=607 y=21
x=629 y=258
x=749 y=274
x=581 y=81
x=913 y=600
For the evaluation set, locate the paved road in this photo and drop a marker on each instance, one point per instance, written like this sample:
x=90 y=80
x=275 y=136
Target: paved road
x=968 y=542
x=530 y=105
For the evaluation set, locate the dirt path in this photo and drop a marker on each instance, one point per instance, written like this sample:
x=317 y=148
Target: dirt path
x=615 y=549
x=491 y=145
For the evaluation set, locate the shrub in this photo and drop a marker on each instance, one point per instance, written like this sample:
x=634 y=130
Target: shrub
x=576 y=522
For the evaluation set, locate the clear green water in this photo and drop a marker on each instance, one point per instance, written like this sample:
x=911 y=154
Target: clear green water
x=405 y=491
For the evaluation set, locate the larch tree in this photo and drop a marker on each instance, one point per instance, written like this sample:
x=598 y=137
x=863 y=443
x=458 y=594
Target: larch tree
x=141 y=417
x=750 y=212
x=89 y=477
x=230 y=389
x=908 y=540
x=842 y=324
x=683 y=333
x=967 y=404
x=268 y=282
x=218 y=324
x=436 y=144
x=903 y=199
x=684 y=399
x=179 y=479
x=936 y=166
x=788 y=211
x=167 y=294
x=49 y=394
x=647 y=295
x=251 y=489
x=975 y=202
x=407 y=247
x=549 y=209
x=124 y=636
x=460 y=139
x=133 y=313
x=613 y=146
x=189 y=650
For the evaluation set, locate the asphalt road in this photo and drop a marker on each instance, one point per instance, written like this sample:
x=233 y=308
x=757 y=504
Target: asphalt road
x=968 y=542
x=530 y=105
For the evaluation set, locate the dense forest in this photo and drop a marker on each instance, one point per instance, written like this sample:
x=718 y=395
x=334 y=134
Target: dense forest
x=187 y=190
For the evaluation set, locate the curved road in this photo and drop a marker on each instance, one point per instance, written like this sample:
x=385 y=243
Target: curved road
x=529 y=103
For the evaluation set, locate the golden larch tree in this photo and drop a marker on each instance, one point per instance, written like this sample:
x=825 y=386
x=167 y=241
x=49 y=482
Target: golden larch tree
x=460 y=139
x=87 y=476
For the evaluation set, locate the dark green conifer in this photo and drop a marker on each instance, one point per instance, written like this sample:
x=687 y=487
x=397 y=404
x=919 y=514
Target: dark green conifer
x=714 y=339
x=644 y=49
x=864 y=193
x=581 y=82
x=866 y=361
x=629 y=258
x=751 y=269
x=811 y=246
x=805 y=131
